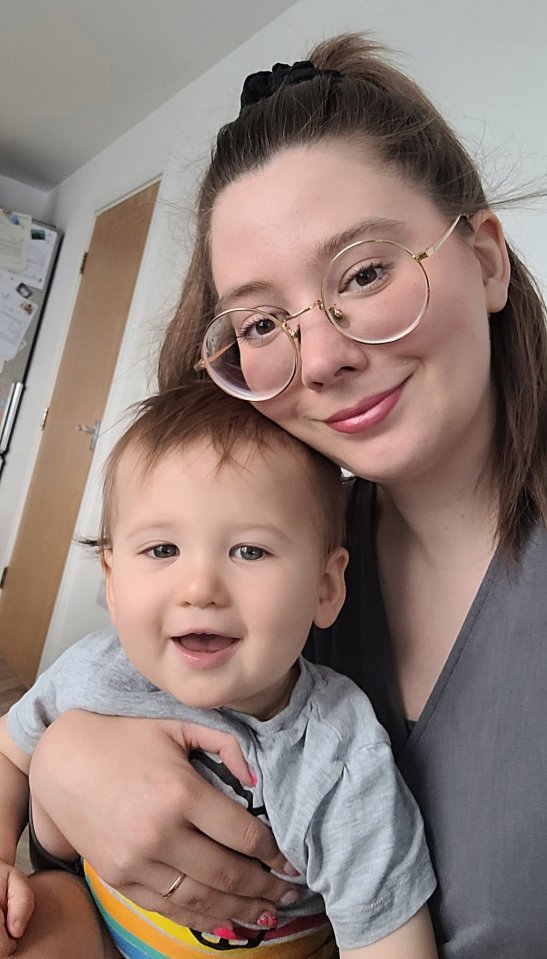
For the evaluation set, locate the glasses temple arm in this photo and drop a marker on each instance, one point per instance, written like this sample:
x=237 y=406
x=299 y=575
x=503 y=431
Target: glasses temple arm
x=202 y=364
x=442 y=239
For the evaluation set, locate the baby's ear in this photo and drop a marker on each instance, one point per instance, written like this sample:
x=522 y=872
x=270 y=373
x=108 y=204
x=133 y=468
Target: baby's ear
x=105 y=560
x=332 y=588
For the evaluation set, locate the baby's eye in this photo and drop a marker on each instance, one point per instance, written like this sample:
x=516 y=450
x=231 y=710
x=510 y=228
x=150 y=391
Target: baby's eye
x=248 y=553
x=163 y=551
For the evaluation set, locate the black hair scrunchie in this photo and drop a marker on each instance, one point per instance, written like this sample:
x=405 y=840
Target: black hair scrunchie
x=261 y=85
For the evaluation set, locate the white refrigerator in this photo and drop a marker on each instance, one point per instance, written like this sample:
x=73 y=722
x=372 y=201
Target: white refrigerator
x=23 y=295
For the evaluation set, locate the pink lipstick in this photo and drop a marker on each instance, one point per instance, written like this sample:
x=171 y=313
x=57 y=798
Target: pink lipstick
x=367 y=414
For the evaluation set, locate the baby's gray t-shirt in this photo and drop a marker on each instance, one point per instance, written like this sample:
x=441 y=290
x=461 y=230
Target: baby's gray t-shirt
x=327 y=783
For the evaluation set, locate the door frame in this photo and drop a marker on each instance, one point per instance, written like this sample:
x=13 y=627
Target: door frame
x=129 y=327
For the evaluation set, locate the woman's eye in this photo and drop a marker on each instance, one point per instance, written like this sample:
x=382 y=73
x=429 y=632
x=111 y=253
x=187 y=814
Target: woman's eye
x=249 y=553
x=253 y=327
x=163 y=551
x=363 y=276
x=257 y=327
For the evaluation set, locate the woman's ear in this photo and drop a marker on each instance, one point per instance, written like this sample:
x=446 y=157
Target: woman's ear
x=332 y=588
x=491 y=252
x=106 y=566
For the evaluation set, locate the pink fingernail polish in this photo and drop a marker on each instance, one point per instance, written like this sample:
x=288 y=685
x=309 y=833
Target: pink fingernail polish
x=254 y=780
x=290 y=870
x=267 y=920
x=289 y=898
x=224 y=933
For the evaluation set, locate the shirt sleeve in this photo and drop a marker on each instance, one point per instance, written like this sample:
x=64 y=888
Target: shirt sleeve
x=366 y=851
x=73 y=681
x=30 y=716
x=94 y=674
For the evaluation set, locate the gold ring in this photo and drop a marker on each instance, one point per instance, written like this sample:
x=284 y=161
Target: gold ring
x=173 y=887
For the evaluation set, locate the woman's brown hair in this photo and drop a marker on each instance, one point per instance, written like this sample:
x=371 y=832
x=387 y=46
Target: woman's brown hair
x=375 y=104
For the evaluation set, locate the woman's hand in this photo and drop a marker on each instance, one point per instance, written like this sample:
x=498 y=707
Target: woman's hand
x=123 y=793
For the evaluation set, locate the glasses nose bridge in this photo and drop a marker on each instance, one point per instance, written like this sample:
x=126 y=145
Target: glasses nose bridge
x=318 y=302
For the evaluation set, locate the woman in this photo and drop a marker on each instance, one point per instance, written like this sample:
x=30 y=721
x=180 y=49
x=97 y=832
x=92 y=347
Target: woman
x=340 y=195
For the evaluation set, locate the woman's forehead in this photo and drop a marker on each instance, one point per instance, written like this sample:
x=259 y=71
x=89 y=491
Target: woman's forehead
x=305 y=205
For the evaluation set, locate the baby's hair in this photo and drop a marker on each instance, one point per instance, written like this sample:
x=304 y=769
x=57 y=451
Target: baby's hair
x=200 y=413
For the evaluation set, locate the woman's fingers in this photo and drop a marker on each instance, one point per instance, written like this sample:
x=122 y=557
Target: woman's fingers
x=146 y=900
x=197 y=906
x=209 y=810
x=223 y=885
x=218 y=817
x=224 y=745
x=184 y=844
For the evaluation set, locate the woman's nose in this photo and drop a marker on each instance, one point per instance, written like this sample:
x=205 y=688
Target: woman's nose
x=326 y=355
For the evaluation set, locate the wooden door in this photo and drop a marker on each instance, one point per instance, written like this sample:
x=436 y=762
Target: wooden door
x=64 y=457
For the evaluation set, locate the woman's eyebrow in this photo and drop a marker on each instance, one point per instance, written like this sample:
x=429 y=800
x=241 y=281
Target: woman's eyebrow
x=240 y=292
x=370 y=228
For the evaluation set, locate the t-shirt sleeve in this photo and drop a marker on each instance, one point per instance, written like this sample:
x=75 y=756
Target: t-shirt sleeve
x=95 y=675
x=73 y=681
x=30 y=716
x=366 y=851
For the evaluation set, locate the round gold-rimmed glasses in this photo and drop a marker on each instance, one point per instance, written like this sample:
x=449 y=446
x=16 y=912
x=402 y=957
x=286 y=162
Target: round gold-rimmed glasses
x=373 y=292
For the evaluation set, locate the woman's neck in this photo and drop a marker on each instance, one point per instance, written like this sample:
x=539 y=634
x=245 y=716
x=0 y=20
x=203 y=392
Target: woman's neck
x=436 y=538
x=448 y=514
x=451 y=501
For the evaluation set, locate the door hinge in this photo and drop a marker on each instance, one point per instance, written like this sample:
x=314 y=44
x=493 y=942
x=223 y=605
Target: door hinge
x=44 y=419
x=3 y=577
x=83 y=263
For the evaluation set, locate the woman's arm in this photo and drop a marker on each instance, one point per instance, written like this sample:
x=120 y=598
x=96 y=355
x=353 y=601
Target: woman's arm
x=123 y=793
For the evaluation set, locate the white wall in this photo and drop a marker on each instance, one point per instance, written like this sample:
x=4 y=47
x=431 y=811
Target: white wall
x=22 y=198
x=482 y=62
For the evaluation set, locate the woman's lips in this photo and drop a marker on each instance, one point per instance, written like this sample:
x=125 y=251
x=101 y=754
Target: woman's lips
x=367 y=414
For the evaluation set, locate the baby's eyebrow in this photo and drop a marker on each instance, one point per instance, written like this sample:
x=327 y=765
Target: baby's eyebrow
x=153 y=528
x=254 y=530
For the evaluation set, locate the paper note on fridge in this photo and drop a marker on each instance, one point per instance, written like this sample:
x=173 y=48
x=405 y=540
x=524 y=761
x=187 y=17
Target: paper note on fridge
x=39 y=253
x=14 y=240
x=16 y=312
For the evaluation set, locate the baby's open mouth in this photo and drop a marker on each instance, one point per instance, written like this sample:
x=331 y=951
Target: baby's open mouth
x=204 y=642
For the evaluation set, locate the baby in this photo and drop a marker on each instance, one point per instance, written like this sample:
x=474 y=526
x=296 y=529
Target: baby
x=220 y=542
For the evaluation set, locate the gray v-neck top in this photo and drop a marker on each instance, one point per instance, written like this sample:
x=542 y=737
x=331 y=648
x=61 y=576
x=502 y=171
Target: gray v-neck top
x=476 y=759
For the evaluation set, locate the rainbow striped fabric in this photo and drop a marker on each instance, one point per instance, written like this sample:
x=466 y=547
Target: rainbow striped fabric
x=141 y=934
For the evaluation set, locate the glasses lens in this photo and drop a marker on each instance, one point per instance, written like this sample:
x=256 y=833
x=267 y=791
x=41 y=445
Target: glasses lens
x=248 y=354
x=375 y=292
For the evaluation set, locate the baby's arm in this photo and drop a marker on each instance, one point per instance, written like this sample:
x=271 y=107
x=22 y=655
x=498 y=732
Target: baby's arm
x=16 y=898
x=365 y=850
x=414 y=940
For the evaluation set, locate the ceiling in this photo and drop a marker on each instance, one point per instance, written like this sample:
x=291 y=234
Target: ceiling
x=76 y=74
